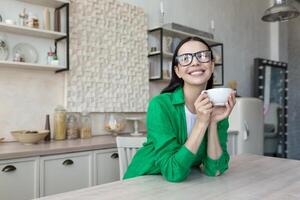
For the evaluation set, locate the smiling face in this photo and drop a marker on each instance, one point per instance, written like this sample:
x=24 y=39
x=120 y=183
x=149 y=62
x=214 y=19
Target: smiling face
x=195 y=73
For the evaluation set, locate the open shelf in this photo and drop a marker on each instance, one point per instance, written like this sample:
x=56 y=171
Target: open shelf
x=156 y=53
x=23 y=65
x=47 y=3
x=176 y=33
x=21 y=30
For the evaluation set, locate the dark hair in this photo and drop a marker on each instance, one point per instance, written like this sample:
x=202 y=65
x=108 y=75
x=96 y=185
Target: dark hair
x=175 y=81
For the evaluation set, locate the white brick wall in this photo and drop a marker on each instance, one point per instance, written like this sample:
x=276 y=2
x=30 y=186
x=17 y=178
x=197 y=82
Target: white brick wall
x=109 y=65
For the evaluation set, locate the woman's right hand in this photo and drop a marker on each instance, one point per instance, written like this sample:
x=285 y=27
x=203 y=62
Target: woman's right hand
x=204 y=108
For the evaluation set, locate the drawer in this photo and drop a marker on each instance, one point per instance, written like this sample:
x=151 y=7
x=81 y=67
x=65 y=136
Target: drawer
x=106 y=166
x=66 y=172
x=19 y=179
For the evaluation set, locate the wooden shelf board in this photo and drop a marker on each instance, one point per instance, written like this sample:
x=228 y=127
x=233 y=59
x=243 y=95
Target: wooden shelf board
x=177 y=33
x=23 y=65
x=47 y=3
x=20 y=30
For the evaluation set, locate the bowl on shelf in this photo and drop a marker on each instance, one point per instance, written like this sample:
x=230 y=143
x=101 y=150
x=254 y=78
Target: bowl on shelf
x=29 y=136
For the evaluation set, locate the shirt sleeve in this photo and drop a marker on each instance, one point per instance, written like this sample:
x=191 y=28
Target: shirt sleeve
x=173 y=159
x=216 y=167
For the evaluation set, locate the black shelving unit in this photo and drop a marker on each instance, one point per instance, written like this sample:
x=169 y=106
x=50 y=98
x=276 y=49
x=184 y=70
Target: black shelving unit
x=67 y=37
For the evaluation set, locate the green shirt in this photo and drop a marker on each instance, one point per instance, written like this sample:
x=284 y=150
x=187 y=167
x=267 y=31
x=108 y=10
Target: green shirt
x=164 y=151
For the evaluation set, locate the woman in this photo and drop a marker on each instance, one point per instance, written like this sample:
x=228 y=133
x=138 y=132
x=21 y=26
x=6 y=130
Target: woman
x=184 y=129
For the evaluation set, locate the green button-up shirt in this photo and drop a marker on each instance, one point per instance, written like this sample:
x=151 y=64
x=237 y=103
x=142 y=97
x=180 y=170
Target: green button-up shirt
x=164 y=151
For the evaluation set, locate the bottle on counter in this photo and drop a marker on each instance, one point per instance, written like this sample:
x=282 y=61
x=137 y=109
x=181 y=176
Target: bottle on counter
x=85 y=125
x=47 y=127
x=72 y=127
x=60 y=117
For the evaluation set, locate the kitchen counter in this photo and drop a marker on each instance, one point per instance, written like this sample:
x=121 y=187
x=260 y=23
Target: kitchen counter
x=11 y=150
x=249 y=177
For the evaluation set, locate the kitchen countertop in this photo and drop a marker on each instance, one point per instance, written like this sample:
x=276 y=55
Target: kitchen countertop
x=250 y=177
x=12 y=150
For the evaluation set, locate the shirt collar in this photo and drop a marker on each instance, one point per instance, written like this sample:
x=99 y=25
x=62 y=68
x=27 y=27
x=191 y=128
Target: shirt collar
x=178 y=96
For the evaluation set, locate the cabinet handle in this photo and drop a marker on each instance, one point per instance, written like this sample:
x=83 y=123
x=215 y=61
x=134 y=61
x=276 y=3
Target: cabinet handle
x=68 y=162
x=114 y=156
x=9 y=168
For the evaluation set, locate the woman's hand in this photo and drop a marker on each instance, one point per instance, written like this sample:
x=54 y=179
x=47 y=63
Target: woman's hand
x=203 y=108
x=220 y=112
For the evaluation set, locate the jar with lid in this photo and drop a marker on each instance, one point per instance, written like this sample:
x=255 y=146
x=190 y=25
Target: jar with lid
x=85 y=125
x=72 y=127
x=60 y=123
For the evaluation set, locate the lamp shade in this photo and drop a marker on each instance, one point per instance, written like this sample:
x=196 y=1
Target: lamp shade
x=280 y=11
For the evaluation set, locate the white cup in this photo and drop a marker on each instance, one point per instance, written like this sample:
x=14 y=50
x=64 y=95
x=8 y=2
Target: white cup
x=10 y=22
x=218 y=96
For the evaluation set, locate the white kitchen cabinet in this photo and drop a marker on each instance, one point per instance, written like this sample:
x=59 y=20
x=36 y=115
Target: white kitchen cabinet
x=19 y=179
x=106 y=166
x=66 y=172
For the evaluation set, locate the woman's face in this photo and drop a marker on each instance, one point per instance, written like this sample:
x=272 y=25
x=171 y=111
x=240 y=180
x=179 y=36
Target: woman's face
x=194 y=72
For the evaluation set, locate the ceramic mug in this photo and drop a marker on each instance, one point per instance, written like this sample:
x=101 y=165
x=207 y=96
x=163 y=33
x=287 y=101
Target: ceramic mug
x=218 y=96
x=10 y=22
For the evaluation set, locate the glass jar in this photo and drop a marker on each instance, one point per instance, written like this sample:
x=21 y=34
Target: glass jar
x=114 y=123
x=72 y=127
x=85 y=125
x=60 y=123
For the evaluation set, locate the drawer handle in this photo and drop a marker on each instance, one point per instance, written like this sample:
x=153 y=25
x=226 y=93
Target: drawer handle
x=114 y=156
x=68 y=162
x=9 y=168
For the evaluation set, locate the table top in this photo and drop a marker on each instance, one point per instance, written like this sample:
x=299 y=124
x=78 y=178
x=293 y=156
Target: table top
x=249 y=177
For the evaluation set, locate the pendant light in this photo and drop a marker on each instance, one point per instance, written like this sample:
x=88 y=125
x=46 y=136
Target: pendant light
x=280 y=11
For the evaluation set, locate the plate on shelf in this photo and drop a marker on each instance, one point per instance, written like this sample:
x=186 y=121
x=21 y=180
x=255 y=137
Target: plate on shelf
x=27 y=51
x=3 y=50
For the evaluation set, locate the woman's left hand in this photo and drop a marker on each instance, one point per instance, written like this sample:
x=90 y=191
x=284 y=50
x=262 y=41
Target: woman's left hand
x=220 y=112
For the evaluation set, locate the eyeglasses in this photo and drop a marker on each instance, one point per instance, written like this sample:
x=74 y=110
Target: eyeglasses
x=187 y=58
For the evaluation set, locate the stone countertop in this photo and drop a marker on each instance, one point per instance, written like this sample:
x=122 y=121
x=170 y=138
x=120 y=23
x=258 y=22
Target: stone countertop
x=12 y=150
x=249 y=177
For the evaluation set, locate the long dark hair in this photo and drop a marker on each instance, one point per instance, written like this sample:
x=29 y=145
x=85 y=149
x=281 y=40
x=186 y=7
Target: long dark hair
x=175 y=81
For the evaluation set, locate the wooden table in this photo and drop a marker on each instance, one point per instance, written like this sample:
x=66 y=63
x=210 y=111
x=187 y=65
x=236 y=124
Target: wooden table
x=249 y=177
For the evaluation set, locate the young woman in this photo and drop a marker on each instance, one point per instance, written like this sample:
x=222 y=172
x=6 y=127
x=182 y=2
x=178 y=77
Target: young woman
x=184 y=129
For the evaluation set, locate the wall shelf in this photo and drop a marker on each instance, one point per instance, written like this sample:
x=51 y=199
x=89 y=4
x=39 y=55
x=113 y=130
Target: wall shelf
x=58 y=5
x=47 y=3
x=156 y=53
x=23 y=65
x=21 y=30
x=176 y=33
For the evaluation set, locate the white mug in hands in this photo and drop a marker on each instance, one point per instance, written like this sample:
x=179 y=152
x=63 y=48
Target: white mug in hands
x=218 y=96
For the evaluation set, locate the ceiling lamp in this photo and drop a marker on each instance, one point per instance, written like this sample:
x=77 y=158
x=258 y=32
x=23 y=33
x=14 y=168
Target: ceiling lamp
x=280 y=11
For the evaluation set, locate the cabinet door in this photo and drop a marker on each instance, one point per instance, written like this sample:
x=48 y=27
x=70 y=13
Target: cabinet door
x=19 y=179
x=106 y=167
x=62 y=173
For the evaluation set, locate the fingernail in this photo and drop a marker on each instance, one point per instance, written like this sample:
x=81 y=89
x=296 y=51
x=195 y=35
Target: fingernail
x=203 y=92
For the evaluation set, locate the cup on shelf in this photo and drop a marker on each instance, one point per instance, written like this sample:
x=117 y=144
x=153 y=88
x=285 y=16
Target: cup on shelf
x=10 y=22
x=153 y=49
